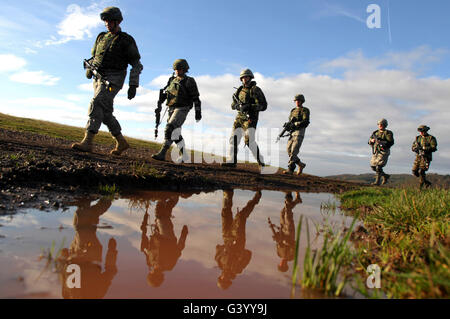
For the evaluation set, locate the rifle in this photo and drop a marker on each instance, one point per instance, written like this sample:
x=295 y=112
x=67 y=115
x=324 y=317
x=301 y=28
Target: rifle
x=161 y=99
x=276 y=234
x=378 y=145
x=286 y=127
x=88 y=65
x=239 y=103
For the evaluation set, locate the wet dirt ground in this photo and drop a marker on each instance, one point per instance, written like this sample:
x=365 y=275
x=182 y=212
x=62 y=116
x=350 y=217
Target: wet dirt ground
x=43 y=172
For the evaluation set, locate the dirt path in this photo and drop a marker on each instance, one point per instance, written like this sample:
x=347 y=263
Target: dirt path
x=44 y=172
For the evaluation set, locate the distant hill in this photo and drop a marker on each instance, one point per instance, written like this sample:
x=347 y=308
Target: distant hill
x=396 y=179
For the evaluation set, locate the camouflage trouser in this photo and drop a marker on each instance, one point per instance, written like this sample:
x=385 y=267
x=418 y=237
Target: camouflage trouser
x=247 y=129
x=420 y=166
x=101 y=107
x=177 y=116
x=293 y=147
x=379 y=159
x=421 y=163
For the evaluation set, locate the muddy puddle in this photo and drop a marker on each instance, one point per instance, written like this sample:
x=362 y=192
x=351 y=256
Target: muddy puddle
x=161 y=245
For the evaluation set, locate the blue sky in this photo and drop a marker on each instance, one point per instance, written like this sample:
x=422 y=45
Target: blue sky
x=351 y=75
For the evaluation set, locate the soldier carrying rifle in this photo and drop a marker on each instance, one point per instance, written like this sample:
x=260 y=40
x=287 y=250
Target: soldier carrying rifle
x=381 y=141
x=424 y=145
x=298 y=122
x=182 y=94
x=248 y=100
x=111 y=54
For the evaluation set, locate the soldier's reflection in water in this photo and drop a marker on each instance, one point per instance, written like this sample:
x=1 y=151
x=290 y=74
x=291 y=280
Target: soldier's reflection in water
x=86 y=252
x=232 y=257
x=284 y=235
x=162 y=249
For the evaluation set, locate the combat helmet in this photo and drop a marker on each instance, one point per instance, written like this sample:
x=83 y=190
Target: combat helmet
x=383 y=122
x=246 y=72
x=423 y=128
x=111 y=14
x=181 y=64
x=299 y=97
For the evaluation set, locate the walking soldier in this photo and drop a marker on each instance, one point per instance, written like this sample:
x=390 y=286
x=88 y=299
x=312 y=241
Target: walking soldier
x=111 y=54
x=381 y=141
x=181 y=93
x=424 y=145
x=298 y=122
x=248 y=100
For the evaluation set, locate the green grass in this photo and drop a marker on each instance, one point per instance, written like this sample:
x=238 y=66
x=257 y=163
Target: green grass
x=143 y=170
x=324 y=269
x=408 y=238
x=75 y=134
x=51 y=256
x=368 y=197
x=66 y=132
x=109 y=190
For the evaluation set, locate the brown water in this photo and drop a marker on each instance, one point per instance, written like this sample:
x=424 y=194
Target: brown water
x=161 y=245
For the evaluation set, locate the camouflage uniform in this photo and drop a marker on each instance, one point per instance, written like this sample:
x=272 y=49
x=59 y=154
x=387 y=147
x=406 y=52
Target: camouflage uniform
x=424 y=145
x=299 y=117
x=381 y=152
x=86 y=252
x=112 y=52
x=246 y=121
x=285 y=236
x=161 y=248
x=112 y=64
x=182 y=94
x=232 y=257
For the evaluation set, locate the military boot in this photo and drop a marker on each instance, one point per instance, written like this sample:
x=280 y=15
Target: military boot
x=301 y=166
x=377 y=180
x=385 y=178
x=161 y=155
x=290 y=170
x=86 y=144
x=121 y=145
x=424 y=182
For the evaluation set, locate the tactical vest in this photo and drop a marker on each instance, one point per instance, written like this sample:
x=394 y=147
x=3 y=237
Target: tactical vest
x=246 y=95
x=298 y=114
x=178 y=94
x=429 y=142
x=114 y=52
x=385 y=136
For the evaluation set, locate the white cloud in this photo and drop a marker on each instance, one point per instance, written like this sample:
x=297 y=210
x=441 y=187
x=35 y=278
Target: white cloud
x=15 y=64
x=77 y=24
x=333 y=10
x=34 y=77
x=10 y=62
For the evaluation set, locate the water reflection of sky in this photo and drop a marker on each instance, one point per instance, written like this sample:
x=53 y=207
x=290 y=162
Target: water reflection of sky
x=195 y=273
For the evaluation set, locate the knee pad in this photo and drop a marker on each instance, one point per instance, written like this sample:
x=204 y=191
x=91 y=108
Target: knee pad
x=379 y=169
x=415 y=173
x=374 y=168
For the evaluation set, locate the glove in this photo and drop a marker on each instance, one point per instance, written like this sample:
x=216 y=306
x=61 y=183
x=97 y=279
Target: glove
x=89 y=73
x=131 y=92
x=198 y=115
x=245 y=108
